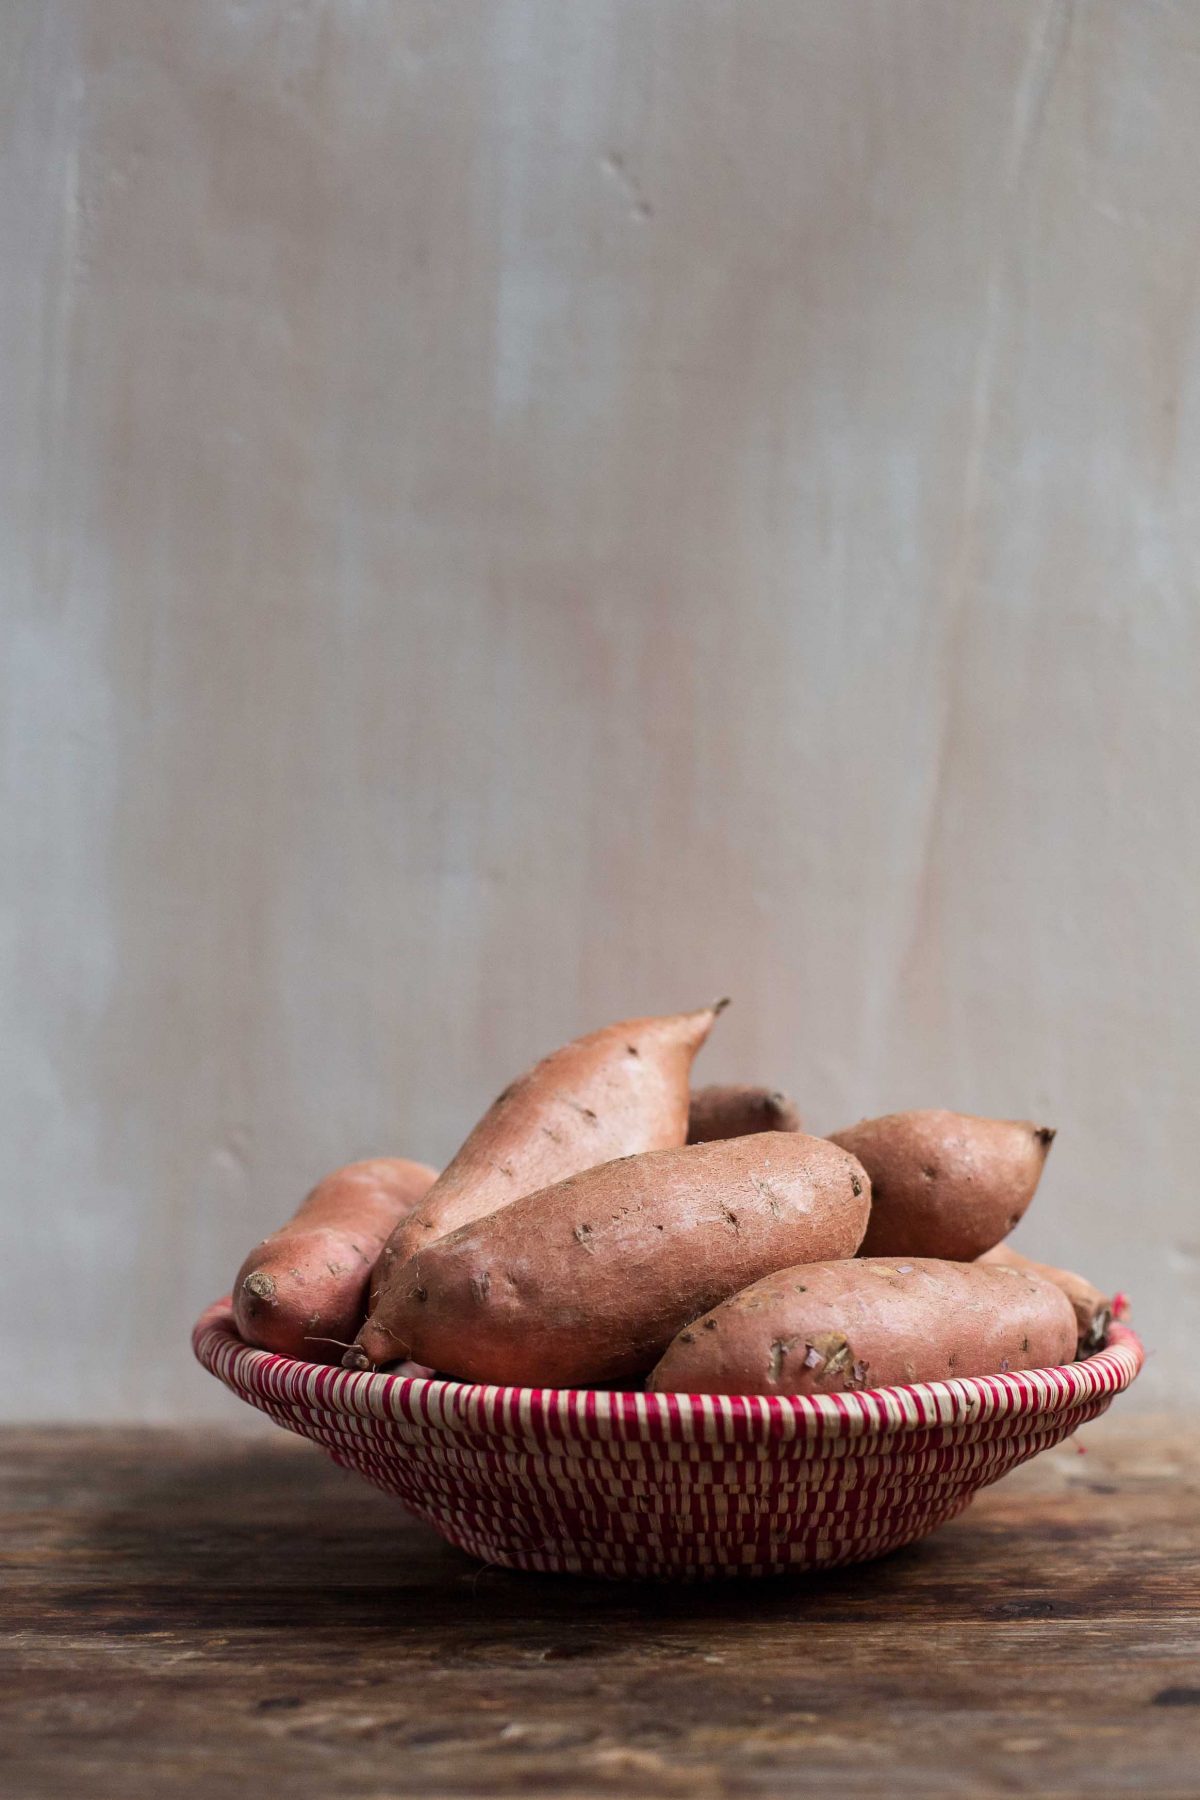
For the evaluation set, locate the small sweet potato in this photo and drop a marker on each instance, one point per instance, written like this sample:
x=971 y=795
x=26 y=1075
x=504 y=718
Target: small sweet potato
x=616 y=1092
x=830 y=1327
x=303 y=1290
x=731 y=1110
x=945 y=1184
x=588 y=1281
x=1093 y=1310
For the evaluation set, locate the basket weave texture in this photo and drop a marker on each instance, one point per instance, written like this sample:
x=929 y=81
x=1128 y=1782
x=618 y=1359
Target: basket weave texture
x=625 y=1484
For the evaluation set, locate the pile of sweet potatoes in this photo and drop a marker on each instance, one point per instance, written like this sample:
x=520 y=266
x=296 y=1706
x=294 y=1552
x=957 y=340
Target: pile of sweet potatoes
x=603 y=1223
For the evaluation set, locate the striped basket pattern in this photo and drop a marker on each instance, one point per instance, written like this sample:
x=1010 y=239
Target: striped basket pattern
x=622 y=1484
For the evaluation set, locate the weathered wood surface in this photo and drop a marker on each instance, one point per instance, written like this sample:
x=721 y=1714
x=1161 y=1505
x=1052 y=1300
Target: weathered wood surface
x=234 y=1616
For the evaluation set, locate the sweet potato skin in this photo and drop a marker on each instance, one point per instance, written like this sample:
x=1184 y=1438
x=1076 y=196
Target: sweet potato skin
x=734 y=1110
x=616 y=1092
x=588 y=1280
x=832 y=1327
x=1093 y=1310
x=945 y=1184
x=307 y=1282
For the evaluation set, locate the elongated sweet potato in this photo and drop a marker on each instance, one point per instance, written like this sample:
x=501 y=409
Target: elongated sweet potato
x=945 y=1184
x=616 y=1092
x=1093 y=1310
x=303 y=1290
x=729 y=1110
x=829 y=1327
x=587 y=1281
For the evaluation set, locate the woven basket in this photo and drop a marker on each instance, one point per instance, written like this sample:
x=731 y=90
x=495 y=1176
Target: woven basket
x=599 y=1483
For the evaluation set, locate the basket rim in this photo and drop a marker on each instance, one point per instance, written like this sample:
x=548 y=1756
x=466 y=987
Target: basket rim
x=574 y=1414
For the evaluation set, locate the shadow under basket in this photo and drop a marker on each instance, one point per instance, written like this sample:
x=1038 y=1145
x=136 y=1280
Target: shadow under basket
x=585 y=1481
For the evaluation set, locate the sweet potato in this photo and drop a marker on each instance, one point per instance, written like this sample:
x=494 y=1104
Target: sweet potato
x=829 y=1327
x=303 y=1290
x=618 y=1091
x=1093 y=1310
x=737 y=1111
x=945 y=1184
x=588 y=1281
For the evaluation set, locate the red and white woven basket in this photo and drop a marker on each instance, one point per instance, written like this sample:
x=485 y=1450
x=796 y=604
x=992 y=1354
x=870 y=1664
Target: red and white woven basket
x=591 y=1482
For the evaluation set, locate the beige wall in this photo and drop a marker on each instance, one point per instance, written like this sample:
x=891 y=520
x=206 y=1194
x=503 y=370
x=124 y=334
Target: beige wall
x=518 y=513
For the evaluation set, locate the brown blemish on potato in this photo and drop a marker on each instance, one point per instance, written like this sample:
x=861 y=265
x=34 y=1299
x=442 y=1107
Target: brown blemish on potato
x=583 y=1236
x=882 y=1271
x=480 y=1286
x=260 y=1284
x=836 y=1351
x=770 y=1195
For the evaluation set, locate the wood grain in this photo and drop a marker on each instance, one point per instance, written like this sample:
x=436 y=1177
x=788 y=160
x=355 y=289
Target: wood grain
x=195 y=1616
x=514 y=514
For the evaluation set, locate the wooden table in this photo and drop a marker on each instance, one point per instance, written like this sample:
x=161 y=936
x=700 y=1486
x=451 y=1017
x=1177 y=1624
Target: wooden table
x=189 y=1614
